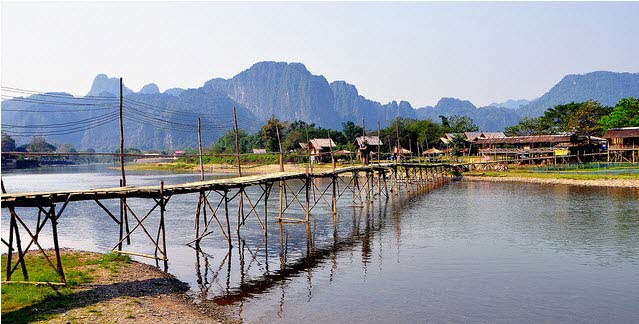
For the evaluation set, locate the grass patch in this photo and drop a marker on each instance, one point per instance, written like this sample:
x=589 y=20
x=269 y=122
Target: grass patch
x=78 y=267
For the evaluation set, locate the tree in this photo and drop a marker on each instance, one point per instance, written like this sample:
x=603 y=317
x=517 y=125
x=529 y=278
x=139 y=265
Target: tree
x=8 y=143
x=458 y=142
x=351 y=131
x=459 y=124
x=39 y=144
x=624 y=114
x=556 y=119
x=66 y=148
x=270 y=132
x=526 y=127
x=585 y=120
x=226 y=143
x=424 y=132
x=293 y=137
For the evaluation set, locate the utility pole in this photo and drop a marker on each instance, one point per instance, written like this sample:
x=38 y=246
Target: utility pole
x=308 y=149
x=237 y=143
x=122 y=138
x=363 y=128
x=279 y=142
x=199 y=144
x=123 y=214
x=330 y=144
x=379 y=147
x=240 y=212
x=399 y=150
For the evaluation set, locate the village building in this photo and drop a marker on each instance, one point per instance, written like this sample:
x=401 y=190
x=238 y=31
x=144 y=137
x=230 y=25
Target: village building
x=563 y=145
x=320 y=149
x=470 y=139
x=623 y=144
x=367 y=146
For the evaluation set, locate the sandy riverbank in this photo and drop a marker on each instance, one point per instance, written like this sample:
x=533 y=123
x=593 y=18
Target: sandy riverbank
x=118 y=292
x=225 y=168
x=619 y=183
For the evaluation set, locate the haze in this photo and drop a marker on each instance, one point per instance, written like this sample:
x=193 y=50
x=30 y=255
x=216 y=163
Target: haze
x=420 y=52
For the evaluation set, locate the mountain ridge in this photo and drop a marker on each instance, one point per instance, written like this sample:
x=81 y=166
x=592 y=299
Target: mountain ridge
x=290 y=91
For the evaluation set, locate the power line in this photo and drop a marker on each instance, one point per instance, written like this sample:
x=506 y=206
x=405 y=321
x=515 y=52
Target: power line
x=62 y=132
x=53 y=102
x=61 y=125
x=51 y=94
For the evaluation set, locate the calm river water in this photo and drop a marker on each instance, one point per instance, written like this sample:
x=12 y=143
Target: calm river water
x=465 y=252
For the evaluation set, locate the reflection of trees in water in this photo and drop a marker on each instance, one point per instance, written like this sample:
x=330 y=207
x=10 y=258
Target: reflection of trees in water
x=366 y=224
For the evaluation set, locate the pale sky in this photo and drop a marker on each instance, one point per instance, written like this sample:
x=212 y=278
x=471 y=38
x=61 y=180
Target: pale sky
x=420 y=52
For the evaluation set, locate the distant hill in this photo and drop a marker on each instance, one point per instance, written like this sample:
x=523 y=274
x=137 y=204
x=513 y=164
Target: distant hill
x=288 y=91
x=511 y=103
x=602 y=86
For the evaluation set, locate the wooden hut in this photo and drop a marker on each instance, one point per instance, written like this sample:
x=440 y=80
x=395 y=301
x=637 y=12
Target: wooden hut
x=366 y=145
x=320 y=149
x=623 y=144
x=536 y=146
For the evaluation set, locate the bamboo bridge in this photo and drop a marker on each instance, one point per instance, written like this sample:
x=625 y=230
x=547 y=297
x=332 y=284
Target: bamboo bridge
x=212 y=214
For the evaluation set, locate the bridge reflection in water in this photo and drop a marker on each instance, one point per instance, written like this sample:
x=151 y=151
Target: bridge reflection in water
x=354 y=230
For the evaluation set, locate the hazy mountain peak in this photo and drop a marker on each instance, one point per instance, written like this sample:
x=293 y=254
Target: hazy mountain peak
x=103 y=85
x=511 y=103
x=174 y=91
x=603 y=86
x=447 y=102
x=150 y=88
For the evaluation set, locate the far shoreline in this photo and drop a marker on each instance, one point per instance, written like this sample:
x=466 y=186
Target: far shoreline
x=609 y=183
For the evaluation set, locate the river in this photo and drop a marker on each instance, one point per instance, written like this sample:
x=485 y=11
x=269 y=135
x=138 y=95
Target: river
x=464 y=252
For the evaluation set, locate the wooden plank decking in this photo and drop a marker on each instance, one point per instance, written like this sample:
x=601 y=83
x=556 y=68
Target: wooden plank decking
x=35 y=199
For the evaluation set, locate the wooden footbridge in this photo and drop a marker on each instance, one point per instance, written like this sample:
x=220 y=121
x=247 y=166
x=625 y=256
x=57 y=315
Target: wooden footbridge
x=212 y=214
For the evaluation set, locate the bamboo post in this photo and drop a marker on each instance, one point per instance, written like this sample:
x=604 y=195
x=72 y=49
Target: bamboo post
x=197 y=221
x=162 y=210
x=240 y=211
x=123 y=180
x=308 y=149
x=330 y=144
x=308 y=196
x=56 y=246
x=199 y=144
x=399 y=150
x=279 y=142
x=334 y=200
x=226 y=213
x=379 y=147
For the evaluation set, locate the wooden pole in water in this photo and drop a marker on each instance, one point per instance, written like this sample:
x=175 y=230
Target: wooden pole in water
x=162 y=210
x=199 y=144
x=226 y=213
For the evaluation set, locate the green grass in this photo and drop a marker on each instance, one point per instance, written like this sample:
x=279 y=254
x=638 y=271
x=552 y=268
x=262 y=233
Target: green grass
x=78 y=269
